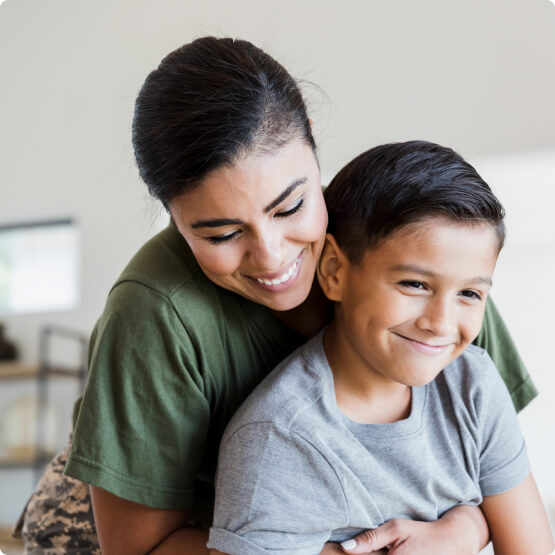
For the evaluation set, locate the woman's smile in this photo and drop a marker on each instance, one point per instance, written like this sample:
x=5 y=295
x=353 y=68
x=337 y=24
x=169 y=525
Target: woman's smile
x=280 y=280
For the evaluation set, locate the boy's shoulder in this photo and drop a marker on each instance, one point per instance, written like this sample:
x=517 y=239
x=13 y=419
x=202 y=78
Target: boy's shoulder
x=473 y=362
x=472 y=378
x=290 y=392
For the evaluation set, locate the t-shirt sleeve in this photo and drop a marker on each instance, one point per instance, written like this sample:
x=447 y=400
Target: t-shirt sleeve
x=503 y=459
x=496 y=340
x=275 y=493
x=142 y=424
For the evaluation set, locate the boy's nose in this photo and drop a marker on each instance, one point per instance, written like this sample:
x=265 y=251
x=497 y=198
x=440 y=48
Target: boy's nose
x=439 y=318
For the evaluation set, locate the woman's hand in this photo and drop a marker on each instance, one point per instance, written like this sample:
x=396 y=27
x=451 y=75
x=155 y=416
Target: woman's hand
x=335 y=549
x=461 y=530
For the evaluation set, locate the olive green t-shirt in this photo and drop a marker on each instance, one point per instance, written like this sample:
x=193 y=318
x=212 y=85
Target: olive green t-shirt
x=171 y=358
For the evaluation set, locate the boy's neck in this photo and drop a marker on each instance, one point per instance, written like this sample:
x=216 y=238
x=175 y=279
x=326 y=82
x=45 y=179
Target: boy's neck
x=361 y=394
x=311 y=315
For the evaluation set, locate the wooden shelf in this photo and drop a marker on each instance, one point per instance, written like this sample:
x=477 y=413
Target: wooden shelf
x=23 y=457
x=18 y=370
x=26 y=370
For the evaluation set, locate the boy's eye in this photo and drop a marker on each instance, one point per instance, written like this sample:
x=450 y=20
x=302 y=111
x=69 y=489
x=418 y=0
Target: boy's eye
x=290 y=211
x=217 y=239
x=412 y=284
x=470 y=294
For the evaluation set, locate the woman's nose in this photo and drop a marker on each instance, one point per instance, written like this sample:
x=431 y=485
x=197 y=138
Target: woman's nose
x=266 y=252
x=439 y=317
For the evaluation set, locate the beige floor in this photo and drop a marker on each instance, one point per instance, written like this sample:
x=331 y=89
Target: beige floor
x=12 y=549
x=9 y=545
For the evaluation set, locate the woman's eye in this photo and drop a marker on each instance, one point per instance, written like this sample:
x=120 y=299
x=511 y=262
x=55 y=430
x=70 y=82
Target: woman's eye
x=218 y=239
x=470 y=294
x=290 y=211
x=412 y=284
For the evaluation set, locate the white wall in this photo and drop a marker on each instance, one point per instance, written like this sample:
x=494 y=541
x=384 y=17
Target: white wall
x=525 y=183
x=472 y=75
x=477 y=76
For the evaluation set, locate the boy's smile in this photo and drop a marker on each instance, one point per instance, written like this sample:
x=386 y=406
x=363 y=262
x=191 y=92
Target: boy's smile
x=412 y=305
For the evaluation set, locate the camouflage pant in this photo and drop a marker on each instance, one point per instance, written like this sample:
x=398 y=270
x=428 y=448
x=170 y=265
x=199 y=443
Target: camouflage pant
x=58 y=517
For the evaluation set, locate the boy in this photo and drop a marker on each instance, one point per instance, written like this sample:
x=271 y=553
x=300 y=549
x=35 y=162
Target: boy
x=390 y=412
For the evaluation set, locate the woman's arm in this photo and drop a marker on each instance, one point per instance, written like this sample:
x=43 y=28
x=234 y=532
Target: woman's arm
x=518 y=522
x=127 y=527
x=494 y=337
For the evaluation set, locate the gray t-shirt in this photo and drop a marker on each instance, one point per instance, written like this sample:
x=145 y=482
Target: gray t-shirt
x=295 y=472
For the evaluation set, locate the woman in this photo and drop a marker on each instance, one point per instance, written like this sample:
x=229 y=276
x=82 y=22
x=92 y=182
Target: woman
x=207 y=307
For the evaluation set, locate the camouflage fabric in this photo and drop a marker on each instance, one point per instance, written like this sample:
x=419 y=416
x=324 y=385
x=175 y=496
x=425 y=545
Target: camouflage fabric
x=58 y=517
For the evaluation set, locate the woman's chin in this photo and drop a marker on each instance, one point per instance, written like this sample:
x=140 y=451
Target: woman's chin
x=284 y=301
x=279 y=297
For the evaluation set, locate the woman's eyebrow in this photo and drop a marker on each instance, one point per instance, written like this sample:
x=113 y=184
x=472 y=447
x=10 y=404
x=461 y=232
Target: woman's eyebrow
x=215 y=223
x=281 y=197
x=221 y=222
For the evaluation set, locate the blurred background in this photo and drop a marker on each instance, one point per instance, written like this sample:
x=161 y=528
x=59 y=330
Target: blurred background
x=476 y=76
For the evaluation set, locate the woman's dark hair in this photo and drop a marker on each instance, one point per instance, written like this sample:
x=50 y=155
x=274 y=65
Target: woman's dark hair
x=396 y=184
x=208 y=103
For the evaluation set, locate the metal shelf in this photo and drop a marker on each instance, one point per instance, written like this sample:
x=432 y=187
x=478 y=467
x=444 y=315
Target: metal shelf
x=37 y=456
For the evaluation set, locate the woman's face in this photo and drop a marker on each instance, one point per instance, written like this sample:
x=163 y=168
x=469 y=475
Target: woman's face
x=257 y=228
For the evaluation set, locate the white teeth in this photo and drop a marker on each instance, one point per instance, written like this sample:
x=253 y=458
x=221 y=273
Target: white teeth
x=282 y=279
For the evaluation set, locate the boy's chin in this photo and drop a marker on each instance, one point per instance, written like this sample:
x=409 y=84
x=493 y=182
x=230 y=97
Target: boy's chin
x=423 y=377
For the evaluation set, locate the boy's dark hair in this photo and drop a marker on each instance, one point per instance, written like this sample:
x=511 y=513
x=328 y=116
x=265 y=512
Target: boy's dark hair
x=207 y=103
x=396 y=184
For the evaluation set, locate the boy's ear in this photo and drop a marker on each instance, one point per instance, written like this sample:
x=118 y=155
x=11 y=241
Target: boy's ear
x=332 y=269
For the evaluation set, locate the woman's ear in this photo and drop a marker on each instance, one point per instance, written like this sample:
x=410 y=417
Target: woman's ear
x=332 y=269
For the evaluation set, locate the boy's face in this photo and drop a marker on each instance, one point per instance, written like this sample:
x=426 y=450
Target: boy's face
x=415 y=302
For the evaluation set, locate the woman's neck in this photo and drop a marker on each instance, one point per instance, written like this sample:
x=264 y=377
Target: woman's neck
x=311 y=315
